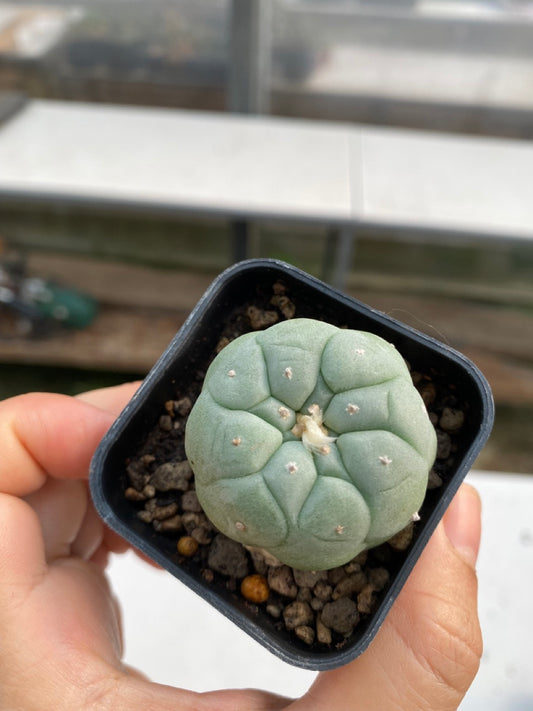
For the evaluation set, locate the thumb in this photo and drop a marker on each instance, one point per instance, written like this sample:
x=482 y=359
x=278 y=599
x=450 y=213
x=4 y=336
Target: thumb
x=427 y=653
x=60 y=638
x=132 y=692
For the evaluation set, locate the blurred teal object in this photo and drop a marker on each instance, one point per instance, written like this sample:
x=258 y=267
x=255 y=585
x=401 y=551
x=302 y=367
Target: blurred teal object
x=33 y=306
x=67 y=306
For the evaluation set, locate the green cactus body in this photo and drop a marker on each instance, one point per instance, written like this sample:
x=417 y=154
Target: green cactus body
x=311 y=442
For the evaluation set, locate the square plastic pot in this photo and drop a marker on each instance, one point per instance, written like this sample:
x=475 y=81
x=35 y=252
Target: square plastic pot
x=191 y=351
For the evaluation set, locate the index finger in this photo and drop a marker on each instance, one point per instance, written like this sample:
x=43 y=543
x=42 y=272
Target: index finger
x=44 y=434
x=111 y=399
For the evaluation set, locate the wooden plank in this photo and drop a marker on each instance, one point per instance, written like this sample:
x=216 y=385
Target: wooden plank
x=501 y=331
x=511 y=381
x=141 y=310
x=121 y=339
x=125 y=285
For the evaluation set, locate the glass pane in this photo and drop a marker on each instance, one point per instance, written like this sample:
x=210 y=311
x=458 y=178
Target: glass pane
x=162 y=52
x=443 y=64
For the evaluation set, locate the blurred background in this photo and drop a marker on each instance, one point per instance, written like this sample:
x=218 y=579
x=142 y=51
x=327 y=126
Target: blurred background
x=443 y=67
x=91 y=292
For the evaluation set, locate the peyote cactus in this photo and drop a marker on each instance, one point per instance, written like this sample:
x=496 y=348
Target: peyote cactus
x=310 y=442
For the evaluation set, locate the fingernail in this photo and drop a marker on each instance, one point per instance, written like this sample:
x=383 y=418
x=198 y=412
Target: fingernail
x=462 y=523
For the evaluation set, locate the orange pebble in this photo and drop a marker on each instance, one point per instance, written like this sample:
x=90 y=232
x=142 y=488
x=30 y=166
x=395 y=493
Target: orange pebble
x=255 y=589
x=187 y=546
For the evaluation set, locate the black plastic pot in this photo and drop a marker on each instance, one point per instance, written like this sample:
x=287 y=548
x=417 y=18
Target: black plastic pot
x=192 y=349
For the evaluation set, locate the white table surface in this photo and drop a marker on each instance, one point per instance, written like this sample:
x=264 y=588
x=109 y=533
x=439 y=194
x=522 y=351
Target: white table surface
x=167 y=626
x=178 y=159
x=268 y=167
x=447 y=181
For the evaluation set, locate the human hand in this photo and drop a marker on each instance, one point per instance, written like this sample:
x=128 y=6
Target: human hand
x=60 y=635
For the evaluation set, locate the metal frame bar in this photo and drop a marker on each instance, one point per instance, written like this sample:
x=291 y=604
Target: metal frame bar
x=250 y=56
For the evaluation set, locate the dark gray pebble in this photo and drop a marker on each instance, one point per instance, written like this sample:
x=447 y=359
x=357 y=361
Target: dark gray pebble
x=341 y=615
x=228 y=557
x=349 y=585
x=335 y=575
x=323 y=633
x=203 y=534
x=452 y=419
x=189 y=502
x=281 y=580
x=444 y=445
x=165 y=423
x=402 y=540
x=172 y=475
x=309 y=578
x=305 y=595
x=137 y=475
x=183 y=406
x=365 y=600
x=298 y=614
x=323 y=590
x=274 y=609
x=378 y=578
x=305 y=633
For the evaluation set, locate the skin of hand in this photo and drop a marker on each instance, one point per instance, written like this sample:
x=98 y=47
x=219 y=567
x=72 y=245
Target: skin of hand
x=60 y=631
